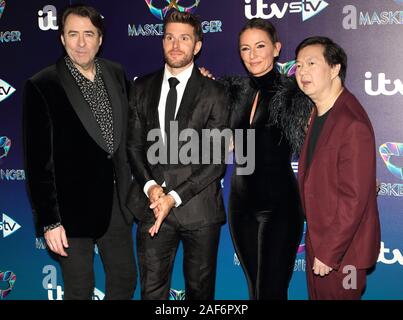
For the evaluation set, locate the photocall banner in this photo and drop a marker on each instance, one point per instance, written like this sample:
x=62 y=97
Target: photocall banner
x=370 y=31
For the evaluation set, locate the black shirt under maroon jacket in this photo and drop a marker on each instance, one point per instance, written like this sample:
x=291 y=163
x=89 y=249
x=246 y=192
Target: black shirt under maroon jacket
x=315 y=133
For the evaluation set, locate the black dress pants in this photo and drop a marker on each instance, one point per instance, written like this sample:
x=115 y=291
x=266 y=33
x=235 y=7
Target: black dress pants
x=116 y=250
x=157 y=255
x=266 y=244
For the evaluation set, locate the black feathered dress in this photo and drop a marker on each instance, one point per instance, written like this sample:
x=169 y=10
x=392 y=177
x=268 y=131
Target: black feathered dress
x=265 y=216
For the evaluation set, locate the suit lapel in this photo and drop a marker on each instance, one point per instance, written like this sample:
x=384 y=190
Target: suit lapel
x=189 y=99
x=150 y=99
x=330 y=122
x=302 y=169
x=155 y=95
x=328 y=126
x=79 y=104
x=114 y=93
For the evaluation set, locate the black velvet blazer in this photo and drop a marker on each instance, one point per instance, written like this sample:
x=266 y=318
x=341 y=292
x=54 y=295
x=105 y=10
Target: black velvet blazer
x=70 y=175
x=204 y=105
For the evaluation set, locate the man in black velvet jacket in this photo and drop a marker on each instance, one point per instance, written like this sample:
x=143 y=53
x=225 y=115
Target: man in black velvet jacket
x=77 y=171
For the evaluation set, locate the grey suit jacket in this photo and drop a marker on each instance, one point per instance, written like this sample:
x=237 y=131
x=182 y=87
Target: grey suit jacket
x=203 y=106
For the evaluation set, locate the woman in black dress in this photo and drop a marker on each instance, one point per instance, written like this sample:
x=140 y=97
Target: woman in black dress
x=265 y=216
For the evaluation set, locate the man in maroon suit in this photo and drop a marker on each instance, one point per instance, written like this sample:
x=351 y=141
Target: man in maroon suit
x=336 y=177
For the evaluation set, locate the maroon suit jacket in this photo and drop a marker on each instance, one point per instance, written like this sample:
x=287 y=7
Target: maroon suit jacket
x=338 y=190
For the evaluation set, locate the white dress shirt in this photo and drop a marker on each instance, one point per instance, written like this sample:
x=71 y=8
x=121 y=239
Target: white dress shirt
x=183 y=78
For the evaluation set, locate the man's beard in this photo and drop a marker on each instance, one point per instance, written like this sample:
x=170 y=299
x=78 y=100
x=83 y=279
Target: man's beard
x=178 y=63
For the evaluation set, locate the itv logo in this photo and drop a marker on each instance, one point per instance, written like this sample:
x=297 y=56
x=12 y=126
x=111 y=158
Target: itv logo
x=8 y=226
x=307 y=8
x=383 y=85
x=47 y=18
x=54 y=290
x=6 y=90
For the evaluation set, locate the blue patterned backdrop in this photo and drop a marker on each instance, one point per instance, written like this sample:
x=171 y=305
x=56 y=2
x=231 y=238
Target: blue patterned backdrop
x=369 y=30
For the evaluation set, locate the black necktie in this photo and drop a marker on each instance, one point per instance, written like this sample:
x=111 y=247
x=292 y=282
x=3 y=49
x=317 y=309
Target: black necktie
x=170 y=107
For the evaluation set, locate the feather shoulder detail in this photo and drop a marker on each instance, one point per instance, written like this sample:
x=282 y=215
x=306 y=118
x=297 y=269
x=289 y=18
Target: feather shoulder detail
x=291 y=109
x=237 y=88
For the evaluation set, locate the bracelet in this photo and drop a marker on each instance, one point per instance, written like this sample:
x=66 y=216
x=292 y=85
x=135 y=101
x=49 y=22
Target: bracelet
x=51 y=227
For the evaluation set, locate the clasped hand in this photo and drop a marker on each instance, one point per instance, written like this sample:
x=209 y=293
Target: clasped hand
x=161 y=204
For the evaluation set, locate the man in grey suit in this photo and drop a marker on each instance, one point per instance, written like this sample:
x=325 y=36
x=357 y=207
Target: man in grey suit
x=184 y=200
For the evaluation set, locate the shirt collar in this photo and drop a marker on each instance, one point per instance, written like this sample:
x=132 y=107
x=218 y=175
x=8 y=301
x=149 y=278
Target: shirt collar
x=183 y=77
x=78 y=75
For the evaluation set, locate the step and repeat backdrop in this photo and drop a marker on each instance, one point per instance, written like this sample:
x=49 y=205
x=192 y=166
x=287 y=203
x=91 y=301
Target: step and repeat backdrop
x=371 y=32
